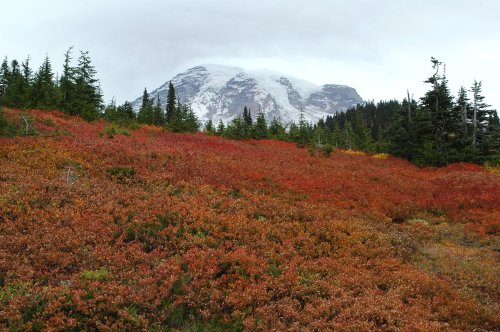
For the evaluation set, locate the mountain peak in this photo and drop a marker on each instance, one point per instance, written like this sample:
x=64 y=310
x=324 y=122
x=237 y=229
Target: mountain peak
x=220 y=92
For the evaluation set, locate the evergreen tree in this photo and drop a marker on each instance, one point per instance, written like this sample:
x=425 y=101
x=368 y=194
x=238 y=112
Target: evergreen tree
x=171 y=103
x=111 y=111
x=434 y=120
x=67 y=85
x=303 y=131
x=247 y=116
x=220 y=128
x=88 y=97
x=145 y=114
x=4 y=79
x=479 y=114
x=158 y=115
x=126 y=111
x=400 y=134
x=260 y=130
x=277 y=130
x=209 y=127
x=44 y=93
x=361 y=131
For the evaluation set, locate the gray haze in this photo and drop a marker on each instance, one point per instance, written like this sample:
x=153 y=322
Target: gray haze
x=381 y=48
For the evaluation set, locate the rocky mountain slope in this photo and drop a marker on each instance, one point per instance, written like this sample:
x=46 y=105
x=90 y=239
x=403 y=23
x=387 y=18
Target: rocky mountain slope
x=220 y=92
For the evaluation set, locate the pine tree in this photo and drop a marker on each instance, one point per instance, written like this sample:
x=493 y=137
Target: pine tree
x=209 y=127
x=158 y=115
x=126 y=111
x=276 y=129
x=434 y=120
x=479 y=114
x=171 y=103
x=260 y=130
x=4 y=79
x=247 y=116
x=220 y=128
x=400 y=134
x=44 y=93
x=67 y=85
x=88 y=98
x=361 y=131
x=146 y=111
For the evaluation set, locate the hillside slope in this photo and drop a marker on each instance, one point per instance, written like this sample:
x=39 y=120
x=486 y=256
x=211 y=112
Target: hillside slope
x=156 y=230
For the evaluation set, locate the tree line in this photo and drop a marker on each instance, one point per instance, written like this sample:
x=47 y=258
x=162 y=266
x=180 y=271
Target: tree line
x=436 y=130
x=77 y=91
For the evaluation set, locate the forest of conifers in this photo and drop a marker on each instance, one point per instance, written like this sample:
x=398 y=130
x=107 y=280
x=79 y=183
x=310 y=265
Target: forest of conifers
x=437 y=129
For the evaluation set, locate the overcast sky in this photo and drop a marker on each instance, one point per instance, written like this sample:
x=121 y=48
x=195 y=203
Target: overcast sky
x=379 y=47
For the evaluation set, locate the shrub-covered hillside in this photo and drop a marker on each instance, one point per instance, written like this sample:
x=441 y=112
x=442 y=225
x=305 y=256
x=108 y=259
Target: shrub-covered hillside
x=106 y=228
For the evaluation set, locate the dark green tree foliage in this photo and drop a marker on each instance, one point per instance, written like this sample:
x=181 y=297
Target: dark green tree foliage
x=4 y=79
x=158 y=114
x=88 y=98
x=277 y=130
x=247 y=116
x=220 y=128
x=209 y=127
x=260 y=131
x=146 y=112
x=183 y=120
x=67 y=86
x=434 y=120
x=171 y=103
x=400 y=137
x=44 y=92
x=126 y=111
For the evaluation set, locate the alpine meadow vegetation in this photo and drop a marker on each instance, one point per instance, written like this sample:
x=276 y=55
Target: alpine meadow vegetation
x=147 y=229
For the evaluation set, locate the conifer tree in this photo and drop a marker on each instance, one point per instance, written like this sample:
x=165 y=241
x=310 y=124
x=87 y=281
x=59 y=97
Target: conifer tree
x=88 y=98
x=247 y=116
x=171 y=103
x=260 y=130
x=220 y=128
x=44 y=93
x=146 y=111
x=434 y=119
x=158 y=115
x=209 y=127
x=126 y=111
x=67 y=85
x=4 y=79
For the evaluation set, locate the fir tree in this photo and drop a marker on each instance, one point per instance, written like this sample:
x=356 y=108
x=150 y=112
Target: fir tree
x=44 y=93
x=88 y=98
x=220 y=128
x=171 y=103
x=209 y=127
x=126 y=111
x=67 y=85
x=158 y=115
x=4 y=79
x=260 y=130
x=145 y=114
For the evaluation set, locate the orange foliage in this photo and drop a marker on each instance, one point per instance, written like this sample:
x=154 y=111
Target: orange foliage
x=170 y=230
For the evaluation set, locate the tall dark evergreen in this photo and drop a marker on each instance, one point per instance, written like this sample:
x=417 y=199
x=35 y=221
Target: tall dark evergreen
x=4 y=79
x=247 y=116
x=158 y=115
x=260 y=128
x=88 y=98
x=171 y=103
x=67 y=85
x=434 y=119
x=146 y=111
x=44 y=93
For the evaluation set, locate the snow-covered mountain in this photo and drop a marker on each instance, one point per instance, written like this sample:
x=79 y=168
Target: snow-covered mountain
x=221 y=92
